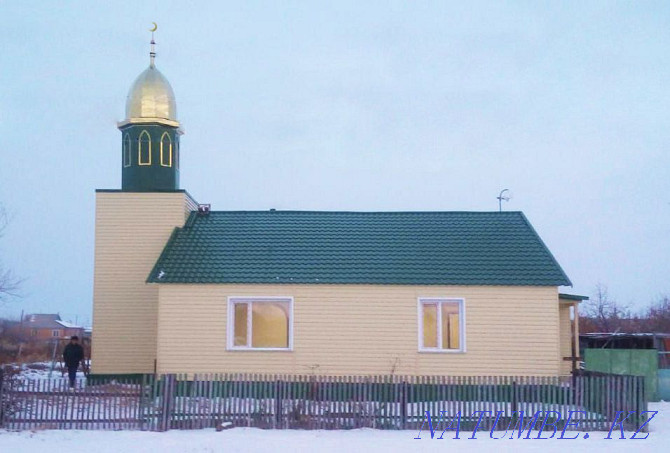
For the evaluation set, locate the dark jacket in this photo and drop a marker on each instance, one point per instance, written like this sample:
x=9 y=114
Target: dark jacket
x=73 y=354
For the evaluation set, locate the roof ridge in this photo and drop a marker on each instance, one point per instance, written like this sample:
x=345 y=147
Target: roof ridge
x=276 y=211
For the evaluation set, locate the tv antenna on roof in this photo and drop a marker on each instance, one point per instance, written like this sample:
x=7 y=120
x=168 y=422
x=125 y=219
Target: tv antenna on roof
x=500 y=198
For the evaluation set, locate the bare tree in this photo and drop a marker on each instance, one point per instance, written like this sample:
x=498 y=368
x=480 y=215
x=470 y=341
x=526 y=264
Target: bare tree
x=658 y=315
x=604 y=313
x=9 y=283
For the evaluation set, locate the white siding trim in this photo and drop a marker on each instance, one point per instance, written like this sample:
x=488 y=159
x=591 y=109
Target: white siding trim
x=461 y=321
x=230 y=326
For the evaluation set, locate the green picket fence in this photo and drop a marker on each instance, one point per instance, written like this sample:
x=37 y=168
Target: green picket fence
x=172 y=401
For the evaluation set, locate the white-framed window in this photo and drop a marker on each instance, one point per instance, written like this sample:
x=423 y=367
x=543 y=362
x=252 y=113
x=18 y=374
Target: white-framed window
x=260 y=323
x=441 y=324
x=55 y=333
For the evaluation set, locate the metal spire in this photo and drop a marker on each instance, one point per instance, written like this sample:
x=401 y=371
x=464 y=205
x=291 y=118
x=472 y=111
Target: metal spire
x=152 y=54
x=501 y=198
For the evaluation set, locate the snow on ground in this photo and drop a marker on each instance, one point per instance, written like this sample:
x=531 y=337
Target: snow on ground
x=42 y=370
x=285 y=441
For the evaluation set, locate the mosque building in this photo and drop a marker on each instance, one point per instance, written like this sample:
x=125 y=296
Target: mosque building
x=181 y=288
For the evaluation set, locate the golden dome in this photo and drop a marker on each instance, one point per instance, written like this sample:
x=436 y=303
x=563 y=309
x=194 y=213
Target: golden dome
x=151 y=98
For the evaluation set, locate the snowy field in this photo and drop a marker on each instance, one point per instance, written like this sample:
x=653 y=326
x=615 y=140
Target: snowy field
x=360 y=440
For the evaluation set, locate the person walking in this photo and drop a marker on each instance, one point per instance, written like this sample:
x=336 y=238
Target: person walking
x=72 y=355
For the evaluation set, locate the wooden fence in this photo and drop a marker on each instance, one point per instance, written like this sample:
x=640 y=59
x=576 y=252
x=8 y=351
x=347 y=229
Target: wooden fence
x=320 y=402
x=52 y=404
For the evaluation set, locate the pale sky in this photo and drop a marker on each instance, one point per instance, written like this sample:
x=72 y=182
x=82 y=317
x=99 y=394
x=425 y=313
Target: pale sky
x=353 y=106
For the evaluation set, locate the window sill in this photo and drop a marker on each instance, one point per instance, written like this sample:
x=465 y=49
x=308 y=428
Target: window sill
x=260 y=349
x=442 y=351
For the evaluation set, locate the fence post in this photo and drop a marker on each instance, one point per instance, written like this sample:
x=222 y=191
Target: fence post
x=2 y=397
x=642 y=401
x=140 y=403
x=403 y=405
x=163 y=389
x=279 y=391
x=145 y=401
x=167 y=401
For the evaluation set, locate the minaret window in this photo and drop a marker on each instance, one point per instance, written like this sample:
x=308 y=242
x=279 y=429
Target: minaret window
x=166 y=150
x=126 y=151
x=144 y=149
x=176 y=152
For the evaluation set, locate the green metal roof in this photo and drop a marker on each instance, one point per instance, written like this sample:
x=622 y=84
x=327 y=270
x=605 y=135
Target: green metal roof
x=390 y=248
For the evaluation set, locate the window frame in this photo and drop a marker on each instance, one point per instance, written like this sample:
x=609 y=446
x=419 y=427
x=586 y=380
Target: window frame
x=127 y=151
x=176 y=152
x=139 y=148
x=55 y=333
x=169 y=151
x=230 y=327
x=461 y=320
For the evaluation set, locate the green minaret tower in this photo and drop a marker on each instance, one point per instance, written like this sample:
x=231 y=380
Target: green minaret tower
x=150 y=134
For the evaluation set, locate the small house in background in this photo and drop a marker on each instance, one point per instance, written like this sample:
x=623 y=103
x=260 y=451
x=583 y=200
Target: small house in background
x=45 y=327
x=88 y=332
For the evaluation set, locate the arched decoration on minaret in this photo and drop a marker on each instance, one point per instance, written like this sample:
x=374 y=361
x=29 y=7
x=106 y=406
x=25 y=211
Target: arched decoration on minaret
x=166 y=150
x=127 y=157
x=144 y=148
x=176 y=152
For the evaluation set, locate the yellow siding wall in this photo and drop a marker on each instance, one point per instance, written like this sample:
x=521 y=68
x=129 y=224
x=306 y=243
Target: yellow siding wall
x=131 y=230
x=566 y=337
x=363 y=329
